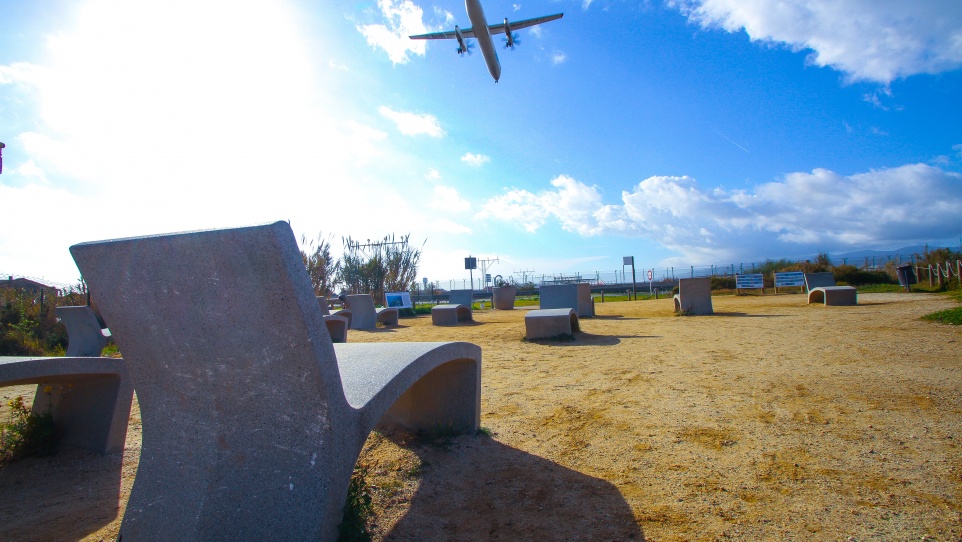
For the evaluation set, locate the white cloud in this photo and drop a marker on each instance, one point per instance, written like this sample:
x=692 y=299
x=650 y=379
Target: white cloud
x=475 y=160
x=446 y=198
x=450 y=227
x=149 y=118
x=558 y=57
x=868 y=40
x=403 y=19
x=433 y=175
x=821 y=210
x=413 y=123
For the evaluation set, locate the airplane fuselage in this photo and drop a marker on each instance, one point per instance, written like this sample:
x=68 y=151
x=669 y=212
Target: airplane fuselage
x=480 y=25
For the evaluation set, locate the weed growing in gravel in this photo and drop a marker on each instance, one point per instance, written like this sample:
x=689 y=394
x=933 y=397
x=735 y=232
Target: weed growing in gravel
x=358 y=507
x=27 y=432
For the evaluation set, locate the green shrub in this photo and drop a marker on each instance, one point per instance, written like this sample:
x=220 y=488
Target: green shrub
x=27 y=432
x=853 y=276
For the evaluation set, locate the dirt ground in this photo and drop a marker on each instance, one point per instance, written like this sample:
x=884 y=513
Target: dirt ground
x=771 y=420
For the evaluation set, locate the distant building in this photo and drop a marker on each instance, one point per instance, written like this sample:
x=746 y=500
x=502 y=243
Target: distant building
x=28 y=285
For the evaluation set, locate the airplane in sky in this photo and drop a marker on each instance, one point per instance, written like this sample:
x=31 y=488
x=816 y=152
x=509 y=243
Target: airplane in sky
x=481 y=31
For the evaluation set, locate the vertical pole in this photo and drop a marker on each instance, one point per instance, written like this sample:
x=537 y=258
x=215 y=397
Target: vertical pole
x=634 y=294
x=930 y=275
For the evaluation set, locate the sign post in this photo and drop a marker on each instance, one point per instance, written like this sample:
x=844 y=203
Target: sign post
x=471 y=263
x=630 y=260
x=651 y=275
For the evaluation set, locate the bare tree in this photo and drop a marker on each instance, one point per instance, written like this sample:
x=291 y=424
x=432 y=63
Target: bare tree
x=388 y=265
x=321 y=267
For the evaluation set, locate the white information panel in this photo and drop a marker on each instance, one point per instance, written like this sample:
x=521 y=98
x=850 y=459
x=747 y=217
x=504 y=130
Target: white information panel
x=754 y=281
x=789 y=278
x=398 y=300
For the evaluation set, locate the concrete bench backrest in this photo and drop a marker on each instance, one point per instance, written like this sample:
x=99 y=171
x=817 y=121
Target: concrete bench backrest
x=363 y=315
x=571 y=296
x=85 y=336
x=461 y=297
x=819 y=280
x=694 y=296
x=234 y=369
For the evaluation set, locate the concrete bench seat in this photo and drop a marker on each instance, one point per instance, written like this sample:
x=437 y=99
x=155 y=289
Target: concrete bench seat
x=337 y=327
x=253 y=419
x=90 y=397
x=694 y=296
x=387 y=316
x=365 y=316
x=450 y=315
x=833 y=295
x=822 y=289
x=547 y=323
x=342 y=313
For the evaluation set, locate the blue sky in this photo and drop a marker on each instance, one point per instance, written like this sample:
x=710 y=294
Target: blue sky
x=682 y=132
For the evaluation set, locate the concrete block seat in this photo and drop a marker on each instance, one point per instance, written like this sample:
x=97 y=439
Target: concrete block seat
x=450 y=315
x=342 y=313
x=365 y=316
x=90 y=397
x=85 y=337
x=547 y=323
x=564 y=296
x=822 y=289
x=337 y=325
x=833 y=295
x=252 y=418
x=694 y=296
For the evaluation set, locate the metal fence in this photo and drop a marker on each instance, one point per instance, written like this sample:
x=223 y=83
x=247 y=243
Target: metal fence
x=621 y=277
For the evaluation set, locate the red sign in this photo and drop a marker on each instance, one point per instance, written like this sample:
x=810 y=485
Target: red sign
x=651 y=274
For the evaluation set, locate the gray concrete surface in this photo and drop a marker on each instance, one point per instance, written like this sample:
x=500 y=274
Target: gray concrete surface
x=548 y=323
x=833 y=295
x=387 y=316
x=85 y=337
x=568 y=296
x=502 y=297
x=461 y=297
x=337 y=327
x=90 y=397
x=694 y=296
x=450 y=315
x=252 y=418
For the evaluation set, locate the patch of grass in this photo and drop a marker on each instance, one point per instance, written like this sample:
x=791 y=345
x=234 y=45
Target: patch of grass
x=951 y=317
x=880 y=288
x=358 y=507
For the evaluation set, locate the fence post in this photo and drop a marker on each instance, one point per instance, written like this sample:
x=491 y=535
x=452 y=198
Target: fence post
x=930 y=275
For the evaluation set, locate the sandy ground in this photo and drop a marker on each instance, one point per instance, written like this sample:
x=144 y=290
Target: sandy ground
x=770 y=420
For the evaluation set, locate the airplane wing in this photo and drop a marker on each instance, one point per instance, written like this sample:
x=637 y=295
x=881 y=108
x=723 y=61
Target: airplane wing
x=517 y=25
x=449 y=35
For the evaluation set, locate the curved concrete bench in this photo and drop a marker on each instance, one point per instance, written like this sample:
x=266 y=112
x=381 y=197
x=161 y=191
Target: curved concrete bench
x=450 y=315
x=363 y=315
x=343 y=313
x=252 y=419
x=85 y=337
x=694 y=296
x=90 y=399
x=387 y=316
x=547 y=323
x=337 y=327
x=833 y=295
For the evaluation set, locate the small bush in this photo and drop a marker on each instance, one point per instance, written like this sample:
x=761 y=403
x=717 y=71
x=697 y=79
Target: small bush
x=357 y=509
x=27 y=433
x=852 y=276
